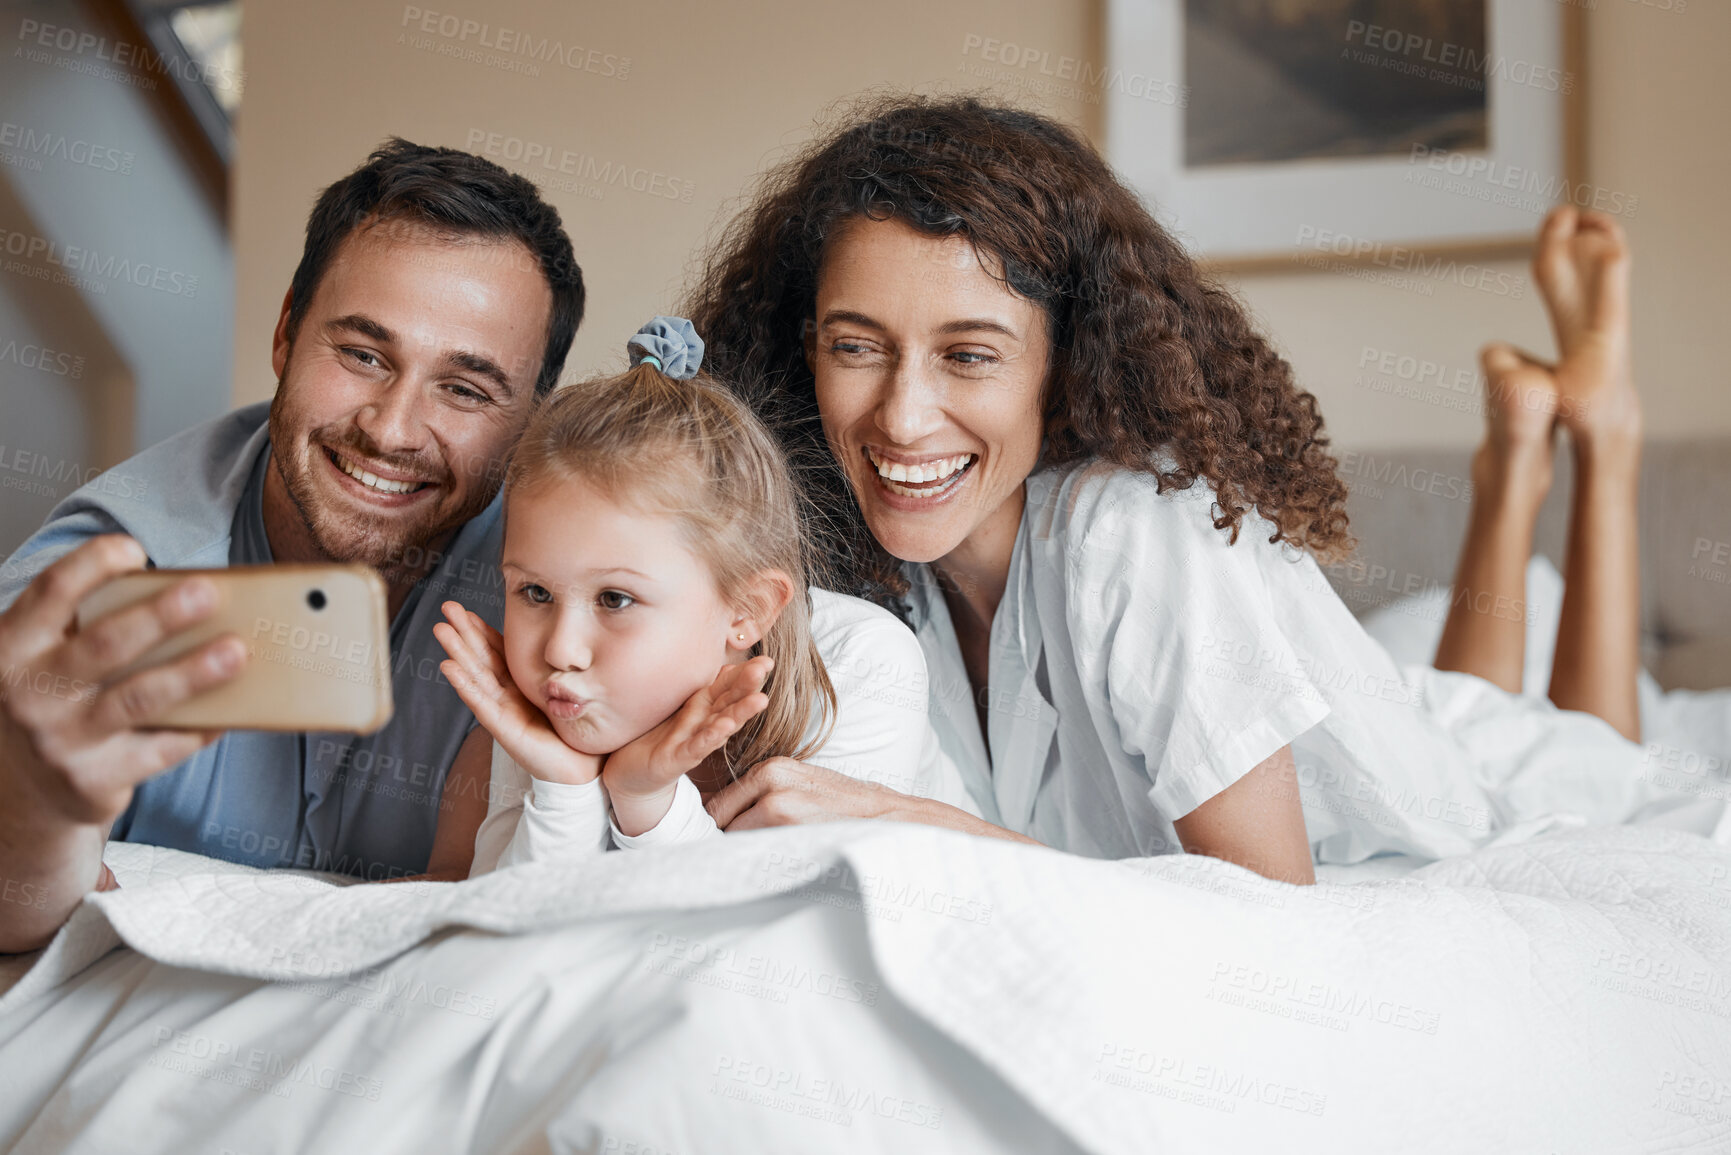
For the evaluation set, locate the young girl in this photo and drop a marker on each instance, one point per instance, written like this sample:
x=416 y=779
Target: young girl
x=659 y=635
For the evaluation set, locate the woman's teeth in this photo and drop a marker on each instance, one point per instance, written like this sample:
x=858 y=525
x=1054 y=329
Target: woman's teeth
x=373 y=481
x=900 y=478
x=930 y=471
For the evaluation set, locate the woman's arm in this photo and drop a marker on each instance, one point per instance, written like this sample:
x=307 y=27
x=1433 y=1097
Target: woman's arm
x=782 y=792
x=1256 y=822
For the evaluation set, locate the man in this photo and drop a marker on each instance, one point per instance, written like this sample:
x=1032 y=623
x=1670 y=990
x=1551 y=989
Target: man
x=435 y=301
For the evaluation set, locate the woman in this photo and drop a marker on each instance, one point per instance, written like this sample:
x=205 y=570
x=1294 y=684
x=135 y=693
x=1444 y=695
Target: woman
x=1034 y=430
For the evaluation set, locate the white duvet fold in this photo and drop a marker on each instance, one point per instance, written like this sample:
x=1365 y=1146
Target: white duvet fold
x=880 y=987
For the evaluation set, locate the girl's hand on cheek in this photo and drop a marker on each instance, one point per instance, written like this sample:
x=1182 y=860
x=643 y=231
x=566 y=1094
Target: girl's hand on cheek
x=476 y=669
x=640 y=777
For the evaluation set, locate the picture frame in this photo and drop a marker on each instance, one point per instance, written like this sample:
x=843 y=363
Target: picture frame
x=1479 y=188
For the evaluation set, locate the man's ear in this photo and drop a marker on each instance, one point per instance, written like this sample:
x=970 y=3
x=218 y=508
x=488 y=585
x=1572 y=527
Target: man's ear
x=770 y=592
x=279 y=342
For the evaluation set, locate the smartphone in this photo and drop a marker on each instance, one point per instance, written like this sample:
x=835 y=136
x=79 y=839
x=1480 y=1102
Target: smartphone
x=317 y=639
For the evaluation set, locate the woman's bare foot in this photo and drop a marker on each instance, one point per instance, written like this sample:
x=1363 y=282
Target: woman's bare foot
x=1582 y=268
x=1521 y=402
x=1511 y=477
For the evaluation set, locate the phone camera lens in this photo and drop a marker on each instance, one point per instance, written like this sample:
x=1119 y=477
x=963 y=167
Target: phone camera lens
x=316 y=599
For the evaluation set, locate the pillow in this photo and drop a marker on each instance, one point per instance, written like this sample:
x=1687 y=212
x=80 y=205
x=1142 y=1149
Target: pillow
x=1409 y=628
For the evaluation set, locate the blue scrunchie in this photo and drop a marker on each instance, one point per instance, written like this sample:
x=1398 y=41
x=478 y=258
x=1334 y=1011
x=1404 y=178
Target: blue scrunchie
x=671 y=343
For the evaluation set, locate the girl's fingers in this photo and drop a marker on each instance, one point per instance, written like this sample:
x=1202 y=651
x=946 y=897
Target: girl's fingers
x=741 y=681
x=747 y=708
x=714 y=730
x=448 y=638
x=711 y=738
x=483 y=705
x=461 y=652
x=495 y=641
x=482 y=640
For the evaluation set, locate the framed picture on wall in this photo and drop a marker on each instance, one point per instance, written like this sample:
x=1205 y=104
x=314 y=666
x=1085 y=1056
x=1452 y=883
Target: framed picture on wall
x=1435 y=123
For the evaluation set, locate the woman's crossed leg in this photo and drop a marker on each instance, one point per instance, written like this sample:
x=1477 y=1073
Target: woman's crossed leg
x=1582 y=268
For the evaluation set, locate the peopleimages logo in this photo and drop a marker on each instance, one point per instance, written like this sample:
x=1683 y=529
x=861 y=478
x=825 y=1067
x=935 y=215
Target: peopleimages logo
x=42 y=359
x=140 y=58
x=509 y=43
x=1449 y=63
x=90 y=263
x=534 y=154
x=1405 y=259
x=59 y=146
x=1098 y=77
x=1488 y=179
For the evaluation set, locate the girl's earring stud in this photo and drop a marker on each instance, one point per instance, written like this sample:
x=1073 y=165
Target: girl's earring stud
x=741 y=637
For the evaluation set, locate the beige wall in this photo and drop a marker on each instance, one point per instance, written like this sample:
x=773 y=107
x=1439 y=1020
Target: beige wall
x=714 y=93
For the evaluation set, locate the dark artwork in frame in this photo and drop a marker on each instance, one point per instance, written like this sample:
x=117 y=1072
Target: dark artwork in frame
x=1290 y=80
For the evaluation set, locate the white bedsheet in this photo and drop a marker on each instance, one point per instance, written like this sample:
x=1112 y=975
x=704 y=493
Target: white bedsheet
x=877 y=987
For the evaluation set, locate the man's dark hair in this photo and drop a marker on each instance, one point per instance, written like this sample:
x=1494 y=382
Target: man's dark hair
x=453 y=192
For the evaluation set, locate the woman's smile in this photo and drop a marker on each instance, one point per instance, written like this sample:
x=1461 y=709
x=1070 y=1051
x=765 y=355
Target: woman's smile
x=921 y=483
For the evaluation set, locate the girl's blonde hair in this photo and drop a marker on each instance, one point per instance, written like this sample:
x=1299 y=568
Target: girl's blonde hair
x=691 y=450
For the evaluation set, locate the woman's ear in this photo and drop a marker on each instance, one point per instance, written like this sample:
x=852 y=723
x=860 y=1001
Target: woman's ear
x=769 y=592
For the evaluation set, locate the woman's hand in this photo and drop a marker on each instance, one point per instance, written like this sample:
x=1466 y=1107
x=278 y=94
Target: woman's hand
x=476 y=669
x=640 y=776
x=783 y=792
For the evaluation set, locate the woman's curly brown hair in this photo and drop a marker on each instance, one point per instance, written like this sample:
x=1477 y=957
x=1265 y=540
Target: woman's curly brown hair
x=1146 y=353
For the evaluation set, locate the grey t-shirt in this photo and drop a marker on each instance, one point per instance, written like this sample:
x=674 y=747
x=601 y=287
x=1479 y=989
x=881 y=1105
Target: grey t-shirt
x=365 y=806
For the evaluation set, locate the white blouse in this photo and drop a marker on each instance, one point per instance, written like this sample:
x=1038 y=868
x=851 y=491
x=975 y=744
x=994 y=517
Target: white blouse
x=1140 y=663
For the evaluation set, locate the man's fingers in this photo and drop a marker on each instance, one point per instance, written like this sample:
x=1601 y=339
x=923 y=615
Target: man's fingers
x=160 y=749
x=115 y=640
x=48 y=606
x=94 y=790
x=134 y=702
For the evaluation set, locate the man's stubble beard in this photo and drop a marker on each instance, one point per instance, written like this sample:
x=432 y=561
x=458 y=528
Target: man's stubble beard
x=402 y=552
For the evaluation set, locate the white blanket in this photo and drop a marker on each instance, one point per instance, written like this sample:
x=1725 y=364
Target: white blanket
x=878 y=987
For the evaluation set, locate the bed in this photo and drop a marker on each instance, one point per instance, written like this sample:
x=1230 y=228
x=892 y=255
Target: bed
x=883 y=987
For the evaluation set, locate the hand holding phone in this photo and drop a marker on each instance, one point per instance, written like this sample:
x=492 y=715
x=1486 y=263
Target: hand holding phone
x=316 y=637
x=73 y=736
